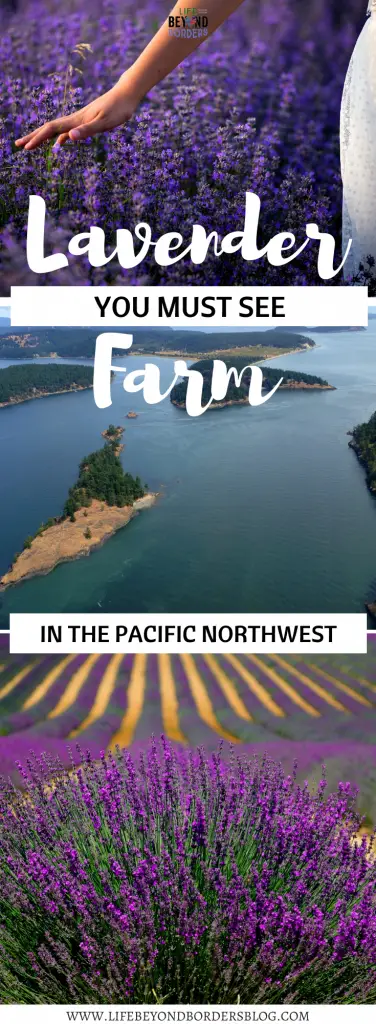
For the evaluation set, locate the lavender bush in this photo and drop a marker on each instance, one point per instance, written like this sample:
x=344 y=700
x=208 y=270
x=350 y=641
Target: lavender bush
x=256 y=108
x=183 y=880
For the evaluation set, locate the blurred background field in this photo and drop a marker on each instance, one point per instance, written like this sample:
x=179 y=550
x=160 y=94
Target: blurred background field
x=256 y=108
x=319 y=710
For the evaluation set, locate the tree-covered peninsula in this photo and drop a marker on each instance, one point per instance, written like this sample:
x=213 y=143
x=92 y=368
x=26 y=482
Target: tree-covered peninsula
x=103 y=499
x=102 y=476
x=79 y=342
x=363 y=443
x=239 y=395
x=23 y=382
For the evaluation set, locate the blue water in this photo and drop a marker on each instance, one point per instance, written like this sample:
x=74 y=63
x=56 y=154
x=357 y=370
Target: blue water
x=262 y=510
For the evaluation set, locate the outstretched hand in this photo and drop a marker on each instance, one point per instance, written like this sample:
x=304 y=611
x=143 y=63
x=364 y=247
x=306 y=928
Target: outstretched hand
x=111 y=110
x=114 y=108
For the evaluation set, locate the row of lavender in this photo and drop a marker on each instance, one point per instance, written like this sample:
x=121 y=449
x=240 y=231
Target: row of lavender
x=327 y=713
x=321 y=696
x=256 y=108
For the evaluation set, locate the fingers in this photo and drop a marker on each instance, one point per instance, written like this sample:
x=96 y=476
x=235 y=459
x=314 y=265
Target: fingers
x=65 y=128
x=21 y=142
x=48 y=131
x=86 y=131
x=27 y=142
x=61 y=140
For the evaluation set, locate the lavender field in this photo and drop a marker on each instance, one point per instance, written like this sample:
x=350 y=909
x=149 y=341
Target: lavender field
x=256 y=108
x=183 y=879
x=222 y=863
x=316 y=711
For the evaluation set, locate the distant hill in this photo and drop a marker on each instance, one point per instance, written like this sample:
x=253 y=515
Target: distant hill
x=320 y=330
x=76 y=342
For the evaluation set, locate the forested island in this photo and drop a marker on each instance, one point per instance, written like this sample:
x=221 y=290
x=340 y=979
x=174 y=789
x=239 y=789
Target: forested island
x=79 y=342
x=24 y=382
x=363 y=443
x=292 y=380
x=103 y=499
x=114 y=434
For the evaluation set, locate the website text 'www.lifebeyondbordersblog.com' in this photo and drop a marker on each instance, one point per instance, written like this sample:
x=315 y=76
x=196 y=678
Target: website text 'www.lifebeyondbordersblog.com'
x=249 y=1016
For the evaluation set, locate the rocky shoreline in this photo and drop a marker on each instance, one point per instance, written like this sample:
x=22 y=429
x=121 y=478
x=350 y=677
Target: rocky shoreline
x=370 y=606
x=292 y=386
x=356 y=448
x=66 y=541
x=44 y=394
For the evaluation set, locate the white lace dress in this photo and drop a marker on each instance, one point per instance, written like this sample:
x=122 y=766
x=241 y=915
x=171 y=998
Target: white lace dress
x=358 y=149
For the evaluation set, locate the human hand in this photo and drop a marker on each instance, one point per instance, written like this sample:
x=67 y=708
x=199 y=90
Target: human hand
x=111 y=110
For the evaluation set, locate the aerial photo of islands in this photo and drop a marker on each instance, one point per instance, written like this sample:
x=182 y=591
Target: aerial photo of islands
x=185 y=827
x=258 y=509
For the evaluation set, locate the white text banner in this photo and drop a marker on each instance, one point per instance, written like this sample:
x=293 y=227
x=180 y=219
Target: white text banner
x=189 y=306
x=303 y=634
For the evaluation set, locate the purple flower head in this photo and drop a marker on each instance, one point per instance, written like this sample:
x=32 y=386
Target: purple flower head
x=186 y=874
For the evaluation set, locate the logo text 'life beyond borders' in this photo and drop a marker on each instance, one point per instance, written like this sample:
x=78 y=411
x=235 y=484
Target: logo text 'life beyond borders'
x=190 y=23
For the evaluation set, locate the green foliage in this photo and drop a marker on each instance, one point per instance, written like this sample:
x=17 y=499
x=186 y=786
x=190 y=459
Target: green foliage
x=25 y=381
x=364 y=442
x=101 y=476
x=88 y=533
x=28 y=542
x=271 y=376
x=76 y=342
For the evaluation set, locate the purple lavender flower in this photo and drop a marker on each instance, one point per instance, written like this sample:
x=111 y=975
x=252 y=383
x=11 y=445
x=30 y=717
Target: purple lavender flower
x=256 y=108
x=182 y=877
